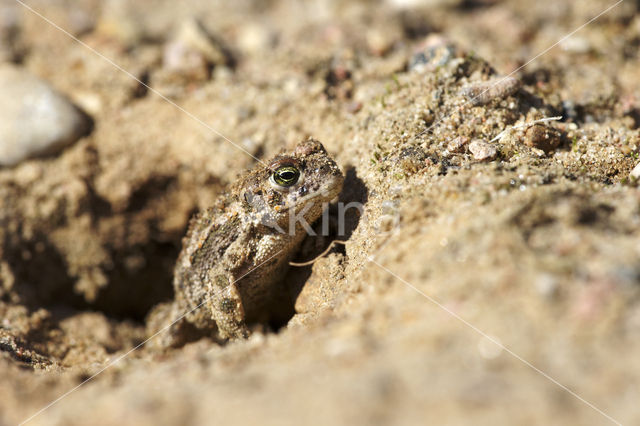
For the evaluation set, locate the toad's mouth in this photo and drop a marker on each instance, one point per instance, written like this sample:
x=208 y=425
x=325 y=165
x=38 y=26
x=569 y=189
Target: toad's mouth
x=328 y=190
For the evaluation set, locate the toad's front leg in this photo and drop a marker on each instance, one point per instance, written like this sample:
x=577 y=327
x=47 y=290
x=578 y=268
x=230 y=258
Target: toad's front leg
x=228 y=312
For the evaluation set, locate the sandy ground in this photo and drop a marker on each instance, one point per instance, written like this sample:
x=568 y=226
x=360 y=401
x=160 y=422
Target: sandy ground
x=494 y=277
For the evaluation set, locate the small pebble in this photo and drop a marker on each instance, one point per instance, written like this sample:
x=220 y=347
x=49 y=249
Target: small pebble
x=177 y=57
x=119 y=20
x=547 y=285
x=339 y=83
x=484 y=92
x=192 y=52
x=435 y=51
x=635 y=173
x=195 y=37
x=542 y=137
x=482 y=151
x=379 y=42
x=457 y=145
x=35 y=119
x=576 y=45
x=255 y=37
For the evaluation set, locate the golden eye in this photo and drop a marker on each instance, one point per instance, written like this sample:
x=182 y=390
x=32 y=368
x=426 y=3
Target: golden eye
x=286 y=176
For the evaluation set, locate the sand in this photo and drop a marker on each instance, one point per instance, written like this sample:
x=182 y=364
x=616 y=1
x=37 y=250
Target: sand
x=492 y=279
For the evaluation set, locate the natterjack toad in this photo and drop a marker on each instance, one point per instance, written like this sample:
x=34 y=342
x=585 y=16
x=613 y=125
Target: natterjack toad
x=236 y=253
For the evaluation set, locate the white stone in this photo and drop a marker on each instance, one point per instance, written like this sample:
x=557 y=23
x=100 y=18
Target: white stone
x=35 y=119
x=482 y=150
x=194 y=36
x=635 y=173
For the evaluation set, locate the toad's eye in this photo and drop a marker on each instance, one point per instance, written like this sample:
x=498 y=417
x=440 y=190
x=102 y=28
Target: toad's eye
x=286 y=176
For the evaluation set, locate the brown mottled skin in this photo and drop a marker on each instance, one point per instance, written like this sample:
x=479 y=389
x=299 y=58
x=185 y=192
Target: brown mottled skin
x=236 y=252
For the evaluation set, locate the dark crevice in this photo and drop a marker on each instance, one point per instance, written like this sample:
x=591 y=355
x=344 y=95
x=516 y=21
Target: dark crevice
x=354 y=190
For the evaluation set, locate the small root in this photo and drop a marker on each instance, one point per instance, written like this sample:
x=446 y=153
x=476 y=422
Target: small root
x=312 y=261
